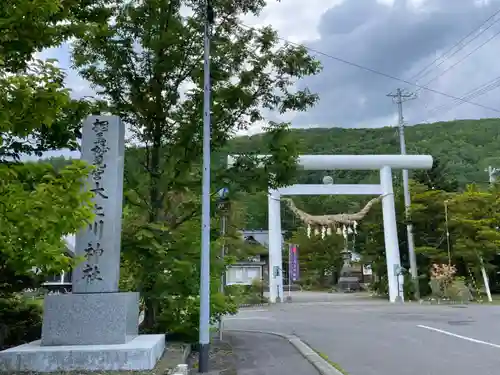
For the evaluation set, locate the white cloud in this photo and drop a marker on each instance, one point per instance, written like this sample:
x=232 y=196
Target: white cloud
x=352 y=97
x=295 y=20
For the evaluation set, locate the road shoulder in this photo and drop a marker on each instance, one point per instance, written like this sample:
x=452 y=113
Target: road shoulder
x=270 y=353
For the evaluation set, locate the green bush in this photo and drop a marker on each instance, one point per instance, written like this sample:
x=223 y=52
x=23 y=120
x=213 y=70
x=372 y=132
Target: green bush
x=180 y=317
x=20 y=321
x=380 y=287
x=246 y=294
x=408 y=287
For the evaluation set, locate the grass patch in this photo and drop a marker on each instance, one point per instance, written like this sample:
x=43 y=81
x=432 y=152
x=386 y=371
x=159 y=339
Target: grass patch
x=325 y=357
x=484 y=300
x=221 y=358
x=334 y=364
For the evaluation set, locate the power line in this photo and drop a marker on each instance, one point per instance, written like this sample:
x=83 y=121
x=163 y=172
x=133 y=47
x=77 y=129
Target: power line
x=418 y=75
x=475 y=94
x=472 y=94
x=462 y=59
x=382 y=74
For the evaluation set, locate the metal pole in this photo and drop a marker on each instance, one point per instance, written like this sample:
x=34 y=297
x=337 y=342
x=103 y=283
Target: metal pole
x=447 y=232
x=204 y=334
x=290 y=272
x=399 y=97
x=223 y=254
x=275 y=251
x=492 y=179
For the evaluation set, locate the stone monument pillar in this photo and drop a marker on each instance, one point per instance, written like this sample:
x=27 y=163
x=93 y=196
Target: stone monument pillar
x=95 y=327
x=101 y=314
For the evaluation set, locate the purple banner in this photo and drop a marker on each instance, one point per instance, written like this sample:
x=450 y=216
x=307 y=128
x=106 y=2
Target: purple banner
x=293 y=262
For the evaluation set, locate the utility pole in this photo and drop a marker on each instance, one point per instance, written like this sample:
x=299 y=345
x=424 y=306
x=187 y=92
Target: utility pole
x=492 y=179
x=492 y=174
x=204 y=333
x=399 y=98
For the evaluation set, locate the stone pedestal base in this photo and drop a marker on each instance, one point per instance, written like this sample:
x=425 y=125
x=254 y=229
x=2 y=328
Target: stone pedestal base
x=138 y=354
x=90 y=319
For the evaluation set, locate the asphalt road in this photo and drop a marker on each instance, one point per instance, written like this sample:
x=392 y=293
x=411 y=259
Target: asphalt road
x=262 y=354
x=369 y=337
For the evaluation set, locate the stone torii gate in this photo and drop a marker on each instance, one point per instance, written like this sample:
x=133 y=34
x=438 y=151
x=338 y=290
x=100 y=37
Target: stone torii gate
x=383 y=163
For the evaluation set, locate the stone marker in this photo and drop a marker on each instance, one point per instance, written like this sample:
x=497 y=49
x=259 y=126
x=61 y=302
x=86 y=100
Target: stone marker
x=103 y=147
x=101 y=315
x=96 y=326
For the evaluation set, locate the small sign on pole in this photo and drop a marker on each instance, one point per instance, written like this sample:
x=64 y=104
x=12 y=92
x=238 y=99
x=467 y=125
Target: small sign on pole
x=293 y=262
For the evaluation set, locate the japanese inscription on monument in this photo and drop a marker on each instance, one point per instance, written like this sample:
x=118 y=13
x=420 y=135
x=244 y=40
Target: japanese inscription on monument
x=99 y=243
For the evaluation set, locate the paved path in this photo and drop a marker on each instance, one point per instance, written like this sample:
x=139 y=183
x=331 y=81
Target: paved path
x=368 y=337
x=261 y=354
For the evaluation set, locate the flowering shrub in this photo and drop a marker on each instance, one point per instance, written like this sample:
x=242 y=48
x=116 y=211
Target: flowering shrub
x=442 y=278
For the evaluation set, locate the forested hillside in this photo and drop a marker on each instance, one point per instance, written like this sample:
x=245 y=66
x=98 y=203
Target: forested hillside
x=466 y=147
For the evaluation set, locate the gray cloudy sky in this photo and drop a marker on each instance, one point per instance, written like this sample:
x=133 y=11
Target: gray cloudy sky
x=400 y=38
x=397 y=37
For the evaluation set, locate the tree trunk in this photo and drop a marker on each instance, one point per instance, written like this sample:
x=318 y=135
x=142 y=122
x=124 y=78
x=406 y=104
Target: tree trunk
x=155 y=201
x=322 y=278
x=154 y=178
x=150 y=313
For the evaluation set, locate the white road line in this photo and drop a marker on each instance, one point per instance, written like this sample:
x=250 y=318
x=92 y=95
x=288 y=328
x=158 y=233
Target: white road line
x=459 y=336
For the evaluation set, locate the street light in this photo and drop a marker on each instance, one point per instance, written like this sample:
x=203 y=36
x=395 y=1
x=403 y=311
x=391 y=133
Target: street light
x=204 y=328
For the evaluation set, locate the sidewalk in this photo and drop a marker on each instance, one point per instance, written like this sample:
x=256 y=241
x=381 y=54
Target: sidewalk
x=264 y=354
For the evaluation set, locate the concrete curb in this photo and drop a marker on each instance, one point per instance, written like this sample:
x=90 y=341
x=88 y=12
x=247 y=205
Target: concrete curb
x=253 y=305
x=182 y=368
x=322 y=365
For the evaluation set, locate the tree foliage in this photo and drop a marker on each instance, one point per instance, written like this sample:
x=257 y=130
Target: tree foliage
x=474 y=224
x=320 y=259
x=148 y=66
x=38 y=204
x=463 y=148
x=28 y=26
x=33 y=202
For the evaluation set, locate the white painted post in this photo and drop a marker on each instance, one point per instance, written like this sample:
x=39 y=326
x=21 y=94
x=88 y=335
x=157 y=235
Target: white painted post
x=391 y=236
x=275 y=256
x=486 y=281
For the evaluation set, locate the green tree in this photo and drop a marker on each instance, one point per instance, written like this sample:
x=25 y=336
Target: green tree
x=428 y=214
x=474 y=217
x=471 y=220
x=29 y=26
x=38 y=205
x=320 y=259
x=148 y=66
x=37 y=112
x=438 y=177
